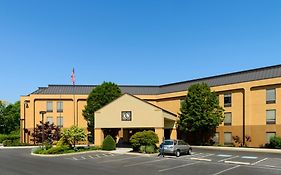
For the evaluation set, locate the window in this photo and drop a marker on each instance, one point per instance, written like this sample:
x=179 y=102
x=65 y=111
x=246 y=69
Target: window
x=227 y=100
x=227 y=119
x=270 y=116
x=50 y=120
x=60 y=122
x=269 y=135
x=181 y=142
x=227 y=138
x=216 y=138
x=270 y=96
x=59 y=106
x=49 y=106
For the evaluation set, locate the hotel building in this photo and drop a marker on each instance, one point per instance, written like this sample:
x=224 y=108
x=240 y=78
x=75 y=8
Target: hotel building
x=251 y=100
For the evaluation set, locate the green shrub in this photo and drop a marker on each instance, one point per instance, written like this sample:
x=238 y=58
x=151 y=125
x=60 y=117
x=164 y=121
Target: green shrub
x=145 y=138
x=150 y=149
x=4 y=137
x=7 y=142
x=108 y=143
x=275 y=142
x=57 y=150
x=142 y=149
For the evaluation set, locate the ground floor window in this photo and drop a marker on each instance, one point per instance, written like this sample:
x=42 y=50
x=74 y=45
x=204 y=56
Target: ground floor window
x=60 y=121
x=269 y=135
x=227 y=138
x=50 y=119
x=216 y=138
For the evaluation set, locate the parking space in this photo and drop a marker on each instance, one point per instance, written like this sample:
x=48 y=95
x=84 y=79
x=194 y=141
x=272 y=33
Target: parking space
x=213 y=163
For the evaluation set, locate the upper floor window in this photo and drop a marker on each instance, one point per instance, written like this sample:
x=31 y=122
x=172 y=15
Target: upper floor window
x=49 y=106
x=227 y=100
x=270 y=96
x=271 y=116
x=59 y=106
x=227 y=119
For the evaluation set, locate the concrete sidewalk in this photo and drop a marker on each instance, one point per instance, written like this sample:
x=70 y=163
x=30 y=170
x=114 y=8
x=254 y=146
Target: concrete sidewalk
x=259 y=150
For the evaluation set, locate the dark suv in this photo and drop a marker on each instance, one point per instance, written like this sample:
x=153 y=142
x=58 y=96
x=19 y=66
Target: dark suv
x=176 y=147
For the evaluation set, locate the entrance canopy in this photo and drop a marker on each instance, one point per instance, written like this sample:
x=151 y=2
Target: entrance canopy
x=129 y=111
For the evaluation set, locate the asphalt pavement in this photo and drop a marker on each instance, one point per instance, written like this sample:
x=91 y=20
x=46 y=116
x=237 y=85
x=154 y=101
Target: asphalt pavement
x=201 y=161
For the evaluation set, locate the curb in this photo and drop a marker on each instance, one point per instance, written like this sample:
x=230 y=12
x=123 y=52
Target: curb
x=18 y=147
x=259 y=150
x=68 y=154
x=94 y=151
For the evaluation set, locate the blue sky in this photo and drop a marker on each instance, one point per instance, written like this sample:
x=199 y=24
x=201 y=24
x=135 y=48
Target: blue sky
x=140 y=42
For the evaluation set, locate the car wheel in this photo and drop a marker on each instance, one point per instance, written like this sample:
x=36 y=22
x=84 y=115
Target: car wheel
x=189 y=152
x=178 y=153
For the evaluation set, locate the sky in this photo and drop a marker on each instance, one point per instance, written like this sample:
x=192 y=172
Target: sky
x=139 y=42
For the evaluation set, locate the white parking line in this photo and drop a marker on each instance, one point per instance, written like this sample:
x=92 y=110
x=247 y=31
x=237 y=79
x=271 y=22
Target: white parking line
x=224 y=155
x=236 y=162
x=202 y=159
x=114 y=160
x=227 y=169
x=141 y=163
x=259 y=161
x=175 y=167
x=249 y=157
x=228 y=158
x=207 y=155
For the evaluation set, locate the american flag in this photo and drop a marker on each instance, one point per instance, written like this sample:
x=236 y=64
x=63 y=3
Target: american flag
x=73 y=77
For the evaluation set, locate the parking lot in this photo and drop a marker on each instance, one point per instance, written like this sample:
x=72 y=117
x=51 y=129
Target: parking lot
x=205 y=162
x=208 y=162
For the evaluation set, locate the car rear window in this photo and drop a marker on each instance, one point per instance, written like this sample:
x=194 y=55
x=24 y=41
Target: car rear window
x=168 y=142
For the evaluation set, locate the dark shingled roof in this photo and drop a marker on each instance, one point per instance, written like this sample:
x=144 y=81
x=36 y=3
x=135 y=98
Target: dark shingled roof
x=231 y=78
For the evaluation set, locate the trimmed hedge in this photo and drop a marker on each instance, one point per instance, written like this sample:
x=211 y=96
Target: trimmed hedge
x=108 y=143
x=145 y=138
x=12 y=137
x=63 y=150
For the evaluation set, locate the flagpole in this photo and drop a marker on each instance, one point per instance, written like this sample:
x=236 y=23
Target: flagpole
x=73 y=93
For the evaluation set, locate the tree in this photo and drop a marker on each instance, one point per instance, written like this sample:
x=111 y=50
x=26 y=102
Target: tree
x=200 y=114
x=72 y=135
x=100 y=96
x=46 y=132
x=9 y=117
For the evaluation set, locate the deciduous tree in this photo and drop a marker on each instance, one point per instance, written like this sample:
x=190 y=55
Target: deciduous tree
x=200 y=114
x=100 y=96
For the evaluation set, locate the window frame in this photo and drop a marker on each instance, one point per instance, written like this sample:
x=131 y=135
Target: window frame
x=47 y=106
x=266 y=136
x=61 y=106
x=49 y=118
x=270 y=121
x=228 y=124
x=227 y=143
x=59 y=123
x=227 y=95
x=270 y=101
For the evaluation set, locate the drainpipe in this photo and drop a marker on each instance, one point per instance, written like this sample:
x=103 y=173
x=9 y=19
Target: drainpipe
x=244 y=106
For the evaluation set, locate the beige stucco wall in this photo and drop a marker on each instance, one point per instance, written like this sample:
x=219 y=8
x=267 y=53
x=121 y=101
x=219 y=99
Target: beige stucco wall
x=143 y=114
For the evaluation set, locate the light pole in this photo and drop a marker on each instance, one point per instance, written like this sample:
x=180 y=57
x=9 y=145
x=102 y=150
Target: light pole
x=24 y=126
x=42 y=117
